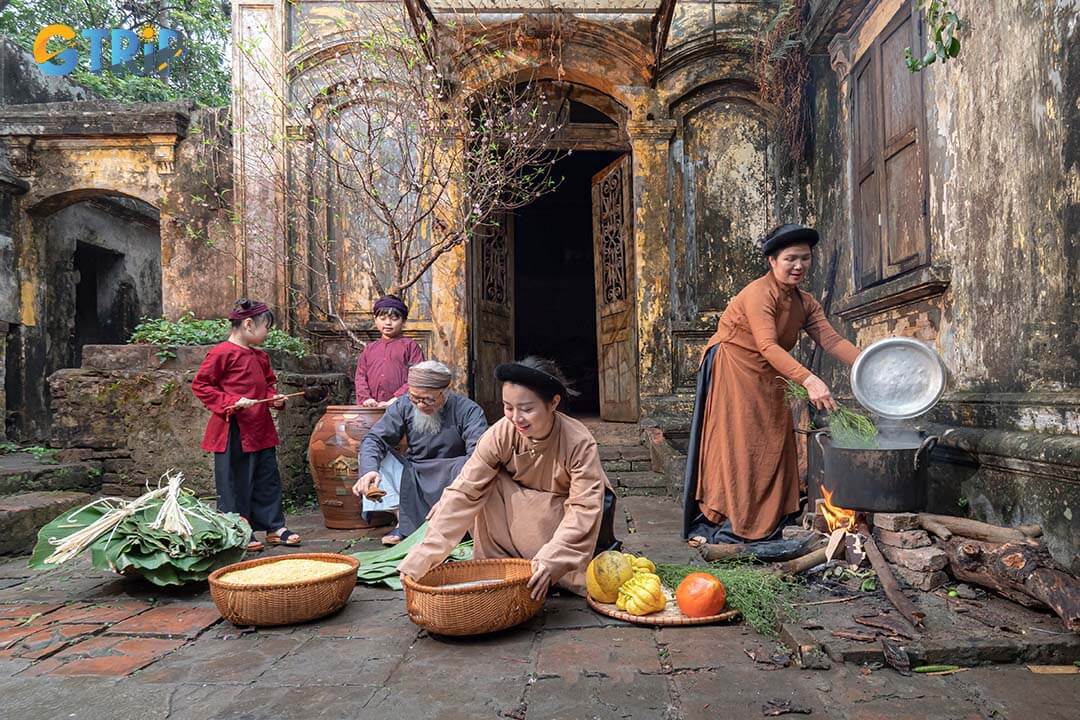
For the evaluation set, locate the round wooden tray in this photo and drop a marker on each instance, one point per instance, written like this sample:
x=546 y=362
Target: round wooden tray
x=670 y=615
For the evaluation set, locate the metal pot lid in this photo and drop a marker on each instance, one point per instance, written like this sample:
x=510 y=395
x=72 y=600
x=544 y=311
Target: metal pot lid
x=898 y=378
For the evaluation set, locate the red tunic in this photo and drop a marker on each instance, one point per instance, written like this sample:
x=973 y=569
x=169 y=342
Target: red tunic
x=382 y=372
x=228 y=373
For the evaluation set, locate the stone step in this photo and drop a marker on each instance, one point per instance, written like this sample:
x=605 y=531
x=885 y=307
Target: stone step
x=23 y=514
x=625 y=458
x=22 y=472
x=639 y=483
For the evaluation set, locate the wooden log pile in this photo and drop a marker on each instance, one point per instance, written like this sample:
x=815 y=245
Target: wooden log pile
x=923 y=550
x=1009 y=561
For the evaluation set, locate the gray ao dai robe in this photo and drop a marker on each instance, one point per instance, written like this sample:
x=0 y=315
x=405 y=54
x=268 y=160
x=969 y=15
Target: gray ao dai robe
x=432 y=460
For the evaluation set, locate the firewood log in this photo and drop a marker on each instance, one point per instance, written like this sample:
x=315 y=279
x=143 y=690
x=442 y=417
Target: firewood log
x=977 y=530
x=885 y=575
x=1022 y=571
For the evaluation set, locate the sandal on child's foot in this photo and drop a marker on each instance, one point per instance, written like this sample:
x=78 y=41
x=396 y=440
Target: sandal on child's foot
x=254 y=545
x=391 y=538
x=284 y=536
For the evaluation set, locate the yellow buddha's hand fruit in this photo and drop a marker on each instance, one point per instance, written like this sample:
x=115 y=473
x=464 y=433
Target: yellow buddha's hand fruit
x=606 y=574
x=642 y=595
x=641 y=564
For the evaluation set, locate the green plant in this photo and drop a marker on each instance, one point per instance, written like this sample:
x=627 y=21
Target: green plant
x=6 y=448
x=846 y=427
x=943 y=24
x=190 y=331
x=44 y=455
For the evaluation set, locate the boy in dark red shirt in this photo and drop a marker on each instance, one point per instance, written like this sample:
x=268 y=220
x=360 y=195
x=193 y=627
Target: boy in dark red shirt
x=233 y=377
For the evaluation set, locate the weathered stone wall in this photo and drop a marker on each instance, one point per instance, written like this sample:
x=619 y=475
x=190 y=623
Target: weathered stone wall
x=999 y=298
x=136 y=414
x=199 y=260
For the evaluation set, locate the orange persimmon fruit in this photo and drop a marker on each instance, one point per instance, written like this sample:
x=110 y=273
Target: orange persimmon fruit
x=700 y=595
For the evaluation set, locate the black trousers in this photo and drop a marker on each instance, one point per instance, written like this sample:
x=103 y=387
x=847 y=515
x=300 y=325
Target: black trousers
x=248 y=483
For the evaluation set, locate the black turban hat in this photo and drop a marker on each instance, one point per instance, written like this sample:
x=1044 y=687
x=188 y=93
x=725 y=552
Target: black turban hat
x=788 y=234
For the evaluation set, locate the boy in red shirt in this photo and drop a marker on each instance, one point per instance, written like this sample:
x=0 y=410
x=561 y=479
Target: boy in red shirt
x=241 y=434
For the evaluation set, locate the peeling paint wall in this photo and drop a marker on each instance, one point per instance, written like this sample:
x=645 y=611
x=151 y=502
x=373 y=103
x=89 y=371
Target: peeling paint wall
x=998 y=299
x=1003 y=168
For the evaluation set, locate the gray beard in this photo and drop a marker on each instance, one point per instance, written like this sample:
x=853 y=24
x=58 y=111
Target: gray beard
x=424 y=424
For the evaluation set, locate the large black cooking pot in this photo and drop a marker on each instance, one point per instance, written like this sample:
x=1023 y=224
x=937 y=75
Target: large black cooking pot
x=891 y=478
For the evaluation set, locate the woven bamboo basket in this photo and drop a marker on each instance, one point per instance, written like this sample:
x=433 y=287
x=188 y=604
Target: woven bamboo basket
x=284 y=604
x=472 y=610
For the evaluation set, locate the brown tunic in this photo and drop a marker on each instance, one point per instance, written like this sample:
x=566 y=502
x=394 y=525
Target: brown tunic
x=748 y=465
x=523 y=498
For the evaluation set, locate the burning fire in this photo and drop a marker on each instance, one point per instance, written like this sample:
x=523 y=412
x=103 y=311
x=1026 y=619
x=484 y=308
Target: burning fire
x=836 y=517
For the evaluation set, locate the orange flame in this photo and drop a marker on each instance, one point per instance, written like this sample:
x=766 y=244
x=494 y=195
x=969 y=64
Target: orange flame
x=836 y=517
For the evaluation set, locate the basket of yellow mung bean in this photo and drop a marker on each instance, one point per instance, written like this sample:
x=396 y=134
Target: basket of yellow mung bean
x=283 y=590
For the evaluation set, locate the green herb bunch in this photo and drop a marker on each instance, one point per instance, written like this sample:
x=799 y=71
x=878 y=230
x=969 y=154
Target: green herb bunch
x=846 y=427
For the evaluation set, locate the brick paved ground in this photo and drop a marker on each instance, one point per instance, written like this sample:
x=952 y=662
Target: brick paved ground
x=77 y=643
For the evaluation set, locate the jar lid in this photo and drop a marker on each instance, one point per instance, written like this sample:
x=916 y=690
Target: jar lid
x=898 y=378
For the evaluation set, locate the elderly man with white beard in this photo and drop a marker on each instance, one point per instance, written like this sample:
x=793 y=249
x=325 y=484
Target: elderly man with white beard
x=441 y=428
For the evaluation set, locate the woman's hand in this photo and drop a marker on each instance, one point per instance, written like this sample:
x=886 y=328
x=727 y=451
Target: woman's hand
x=540 y=580
x=366 y=483
x=369 y=403
x=820 y=395
x=243 y=403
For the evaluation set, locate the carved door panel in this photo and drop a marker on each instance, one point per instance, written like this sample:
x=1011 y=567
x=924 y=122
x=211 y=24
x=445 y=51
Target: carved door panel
x=492 y=260
x=613 y=256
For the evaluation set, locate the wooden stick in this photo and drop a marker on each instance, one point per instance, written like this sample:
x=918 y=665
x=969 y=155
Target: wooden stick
x=977 y=530
x=888 y=580
x=802 y=564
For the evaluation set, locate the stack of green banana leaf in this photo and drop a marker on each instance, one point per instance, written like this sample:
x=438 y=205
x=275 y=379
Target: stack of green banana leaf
x=167 y=536
x=380 y=567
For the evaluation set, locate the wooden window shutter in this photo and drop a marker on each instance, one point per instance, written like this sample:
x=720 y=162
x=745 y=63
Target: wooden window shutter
x=903 y=167
x=867 y=178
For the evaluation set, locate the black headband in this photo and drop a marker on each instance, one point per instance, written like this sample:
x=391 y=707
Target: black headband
x=531 y=378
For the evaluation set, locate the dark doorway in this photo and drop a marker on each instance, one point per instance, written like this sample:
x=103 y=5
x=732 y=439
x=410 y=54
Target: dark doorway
x=106 y=308
x=554 y=278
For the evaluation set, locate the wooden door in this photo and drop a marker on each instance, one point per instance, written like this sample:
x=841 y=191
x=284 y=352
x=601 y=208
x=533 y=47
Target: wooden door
x=492 y=336
x=613 y=257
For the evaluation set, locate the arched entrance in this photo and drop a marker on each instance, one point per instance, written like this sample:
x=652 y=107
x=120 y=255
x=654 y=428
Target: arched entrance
x=556 y=278
x=87 y=235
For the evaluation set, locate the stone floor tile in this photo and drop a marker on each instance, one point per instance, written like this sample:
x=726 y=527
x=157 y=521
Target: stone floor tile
x=709 y=646
x=172 y=620
x=221 y=662
x=617 y=652
x=106 y=656
x=364 y=619
x=49 y=640
x=340 y=662
x=642 y=698
x=26 y=610
x=103 y=613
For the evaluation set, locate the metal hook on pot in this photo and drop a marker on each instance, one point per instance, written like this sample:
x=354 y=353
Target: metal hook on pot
x=817 y=437
x=923 y=453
